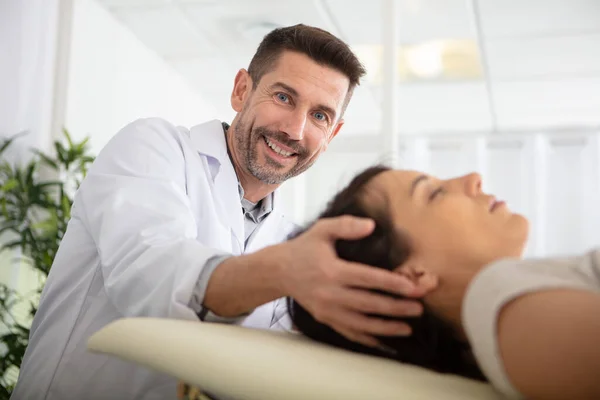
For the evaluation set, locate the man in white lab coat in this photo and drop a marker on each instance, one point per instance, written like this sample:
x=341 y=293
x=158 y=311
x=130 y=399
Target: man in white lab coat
x=178 y=223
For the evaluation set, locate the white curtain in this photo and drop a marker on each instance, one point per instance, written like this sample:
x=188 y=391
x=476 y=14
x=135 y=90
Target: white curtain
x=28 y=48
x=28 y=45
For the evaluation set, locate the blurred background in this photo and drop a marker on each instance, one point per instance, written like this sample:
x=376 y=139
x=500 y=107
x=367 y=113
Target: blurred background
x=508 y=88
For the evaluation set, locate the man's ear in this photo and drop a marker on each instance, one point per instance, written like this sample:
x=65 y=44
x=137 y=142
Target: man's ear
x=336 y=130
x=424 y=279
x=242 y=87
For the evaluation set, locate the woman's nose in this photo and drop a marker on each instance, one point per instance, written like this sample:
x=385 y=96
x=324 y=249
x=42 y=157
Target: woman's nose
x=472 y=184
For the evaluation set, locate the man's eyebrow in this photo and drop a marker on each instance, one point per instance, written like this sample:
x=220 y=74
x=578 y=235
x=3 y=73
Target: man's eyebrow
x=419 y=179
x=295 y=93
x=285 y=87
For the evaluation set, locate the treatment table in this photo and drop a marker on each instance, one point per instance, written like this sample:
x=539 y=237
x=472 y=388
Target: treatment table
x=249 y=364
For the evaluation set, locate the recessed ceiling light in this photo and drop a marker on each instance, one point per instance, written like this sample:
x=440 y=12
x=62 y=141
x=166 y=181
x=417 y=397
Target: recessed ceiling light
x=425 y=61
x=444 y=59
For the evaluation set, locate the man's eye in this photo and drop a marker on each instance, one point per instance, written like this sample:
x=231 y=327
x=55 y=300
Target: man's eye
x=320 y=116
x=283 y=97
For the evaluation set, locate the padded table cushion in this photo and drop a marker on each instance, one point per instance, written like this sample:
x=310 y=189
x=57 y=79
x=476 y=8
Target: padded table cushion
x=249 y=364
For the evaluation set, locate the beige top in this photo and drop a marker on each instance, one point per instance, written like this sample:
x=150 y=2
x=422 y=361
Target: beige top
x=506 y=280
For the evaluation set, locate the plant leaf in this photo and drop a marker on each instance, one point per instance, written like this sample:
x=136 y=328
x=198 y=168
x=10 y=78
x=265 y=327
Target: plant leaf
x=47 y=160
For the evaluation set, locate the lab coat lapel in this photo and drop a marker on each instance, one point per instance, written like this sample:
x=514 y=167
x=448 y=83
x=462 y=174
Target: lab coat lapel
x=209 y=139
x=230 y=206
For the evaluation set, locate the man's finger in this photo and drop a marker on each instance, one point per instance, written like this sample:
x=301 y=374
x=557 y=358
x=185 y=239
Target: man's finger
x=369 y=277
x=358 y=322
x=182 y=390
x=363 y=339
x=373 y=303
x=194 y=393
x=345 y=227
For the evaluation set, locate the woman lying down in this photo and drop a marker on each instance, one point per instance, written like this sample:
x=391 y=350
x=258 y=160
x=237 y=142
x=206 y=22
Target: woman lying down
x=530 y=327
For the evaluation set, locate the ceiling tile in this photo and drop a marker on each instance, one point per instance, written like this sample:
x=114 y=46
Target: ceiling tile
x=197 y=1
x=440 y=60
x=239 y=25
x=442 y=107
x=511 y=120
x=514 y=18
x=549 y=56
x=165 y=30
x=418 y=20
x=572 y=101
x=462 y=97
x=132 y=3
x=563 y=94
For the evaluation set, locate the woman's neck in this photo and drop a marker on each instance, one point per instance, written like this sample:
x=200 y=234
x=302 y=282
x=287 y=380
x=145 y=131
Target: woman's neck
x=446 y=300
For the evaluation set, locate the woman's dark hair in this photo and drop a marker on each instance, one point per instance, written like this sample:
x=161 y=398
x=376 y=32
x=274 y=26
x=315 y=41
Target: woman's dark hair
x=433 y=343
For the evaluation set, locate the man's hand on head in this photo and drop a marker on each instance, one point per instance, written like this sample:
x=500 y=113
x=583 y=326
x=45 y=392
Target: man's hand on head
x=336 y=292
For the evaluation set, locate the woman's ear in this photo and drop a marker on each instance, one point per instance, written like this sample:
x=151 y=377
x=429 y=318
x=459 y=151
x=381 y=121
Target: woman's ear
x=424 y=279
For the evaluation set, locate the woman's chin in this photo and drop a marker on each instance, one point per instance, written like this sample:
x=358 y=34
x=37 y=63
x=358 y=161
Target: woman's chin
x=517 y=236
x=523 y=235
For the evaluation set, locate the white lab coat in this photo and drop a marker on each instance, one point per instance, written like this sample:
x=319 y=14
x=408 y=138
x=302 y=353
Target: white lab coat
x=158 y=202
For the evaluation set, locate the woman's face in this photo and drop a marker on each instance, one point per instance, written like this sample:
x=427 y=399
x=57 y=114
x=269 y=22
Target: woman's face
x=450 y=223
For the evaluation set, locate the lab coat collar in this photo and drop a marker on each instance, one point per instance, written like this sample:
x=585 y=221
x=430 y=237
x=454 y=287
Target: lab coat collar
x=209 y=139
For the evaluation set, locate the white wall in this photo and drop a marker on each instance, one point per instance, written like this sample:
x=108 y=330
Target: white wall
x=114 y=79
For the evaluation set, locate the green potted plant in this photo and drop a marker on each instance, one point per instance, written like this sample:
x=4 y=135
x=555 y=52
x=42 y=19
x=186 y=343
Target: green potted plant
x=34 y=213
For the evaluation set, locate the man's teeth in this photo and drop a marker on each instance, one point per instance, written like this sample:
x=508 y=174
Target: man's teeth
x=277 y=149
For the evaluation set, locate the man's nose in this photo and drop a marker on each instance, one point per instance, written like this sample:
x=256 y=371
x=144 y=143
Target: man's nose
x=295 y=124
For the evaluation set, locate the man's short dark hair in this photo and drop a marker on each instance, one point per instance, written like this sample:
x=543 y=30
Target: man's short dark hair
x=318 y=44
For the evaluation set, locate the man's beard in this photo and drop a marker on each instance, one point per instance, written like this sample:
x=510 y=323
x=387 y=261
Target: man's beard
x=270 y=172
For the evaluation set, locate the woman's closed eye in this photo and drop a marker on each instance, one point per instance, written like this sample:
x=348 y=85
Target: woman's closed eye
x=436 y=193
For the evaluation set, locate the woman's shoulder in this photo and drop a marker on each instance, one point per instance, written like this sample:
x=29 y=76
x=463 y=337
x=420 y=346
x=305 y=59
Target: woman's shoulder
x=505 y=280
x=576 y=271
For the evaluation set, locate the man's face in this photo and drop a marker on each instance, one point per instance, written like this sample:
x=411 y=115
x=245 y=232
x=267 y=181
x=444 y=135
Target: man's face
x=285 y=123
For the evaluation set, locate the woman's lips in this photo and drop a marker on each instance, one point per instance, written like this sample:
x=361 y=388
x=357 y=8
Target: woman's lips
x=495 y=204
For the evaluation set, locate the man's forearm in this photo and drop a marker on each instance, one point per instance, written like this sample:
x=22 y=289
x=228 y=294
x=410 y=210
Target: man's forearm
x=241 y=283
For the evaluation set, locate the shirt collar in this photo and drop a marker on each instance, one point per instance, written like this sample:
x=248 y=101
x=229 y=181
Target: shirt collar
x=266 y=204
